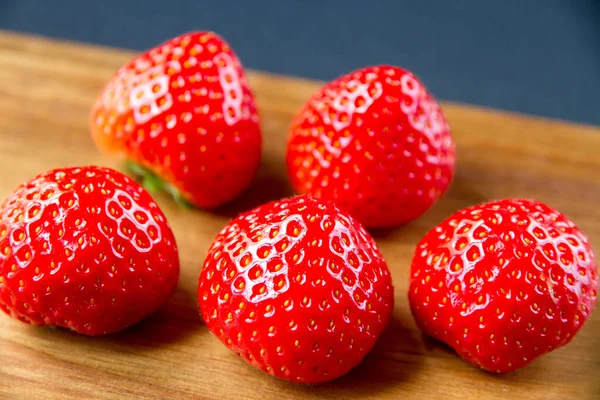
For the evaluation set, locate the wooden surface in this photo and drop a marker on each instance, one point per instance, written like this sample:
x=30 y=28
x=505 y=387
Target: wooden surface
x=46 y=91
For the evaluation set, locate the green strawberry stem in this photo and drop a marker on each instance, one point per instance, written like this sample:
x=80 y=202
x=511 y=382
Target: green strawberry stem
x=153 y=183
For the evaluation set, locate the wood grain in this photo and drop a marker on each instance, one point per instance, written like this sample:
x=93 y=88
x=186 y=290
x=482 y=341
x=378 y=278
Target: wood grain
x=46 y=90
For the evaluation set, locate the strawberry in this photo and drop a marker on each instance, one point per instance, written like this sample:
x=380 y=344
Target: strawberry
x=376 y=143
x=296 y=288
x=85 y=249
x=503 y=282
x=183 y=115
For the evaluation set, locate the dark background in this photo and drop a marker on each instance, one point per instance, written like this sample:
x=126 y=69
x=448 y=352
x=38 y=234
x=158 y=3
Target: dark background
x=534 y=56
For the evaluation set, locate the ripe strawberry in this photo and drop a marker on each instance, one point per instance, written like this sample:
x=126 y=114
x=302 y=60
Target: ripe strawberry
x=375 y=142
x=86 y=249
x=296 y=288
x=184 y=113
x=503 y=282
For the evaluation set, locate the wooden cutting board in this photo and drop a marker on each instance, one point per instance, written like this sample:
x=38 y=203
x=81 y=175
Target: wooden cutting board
x=46 y=91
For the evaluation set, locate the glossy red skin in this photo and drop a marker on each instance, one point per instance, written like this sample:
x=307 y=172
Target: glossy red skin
x=311 y=308
x=526 y=282
x=195 y=124
x=374 y=142
x=85 y=249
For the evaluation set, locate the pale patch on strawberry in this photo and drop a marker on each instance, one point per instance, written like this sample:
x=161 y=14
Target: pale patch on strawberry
x=122 y=208
x=232 y=90
x=355 y=97
x=424 y=115
x=254 y=249
x=147 y=93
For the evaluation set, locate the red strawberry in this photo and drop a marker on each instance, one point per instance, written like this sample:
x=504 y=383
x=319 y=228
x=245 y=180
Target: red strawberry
x=296 y=288
x=503 y=282
x=374 y=142
x=86 y=249
x=183 y=111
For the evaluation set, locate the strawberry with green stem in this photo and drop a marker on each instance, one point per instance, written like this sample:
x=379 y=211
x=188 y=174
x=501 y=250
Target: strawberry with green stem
x=184 y=118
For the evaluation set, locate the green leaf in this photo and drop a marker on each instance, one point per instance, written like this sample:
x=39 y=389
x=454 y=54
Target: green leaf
x=153 y=183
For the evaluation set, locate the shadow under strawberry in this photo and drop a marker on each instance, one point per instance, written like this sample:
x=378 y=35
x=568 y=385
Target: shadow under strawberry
x=397 y=233
x=172 y=322
x=535 y=372
x=268 y=186
x=396 y=357
x=176 y=319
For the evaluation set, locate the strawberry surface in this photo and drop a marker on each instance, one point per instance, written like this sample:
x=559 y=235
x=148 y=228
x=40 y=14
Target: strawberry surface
x=503 y=282
x=184 y=112
x=296 y=288
x=376 y=143
x=85 y=249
